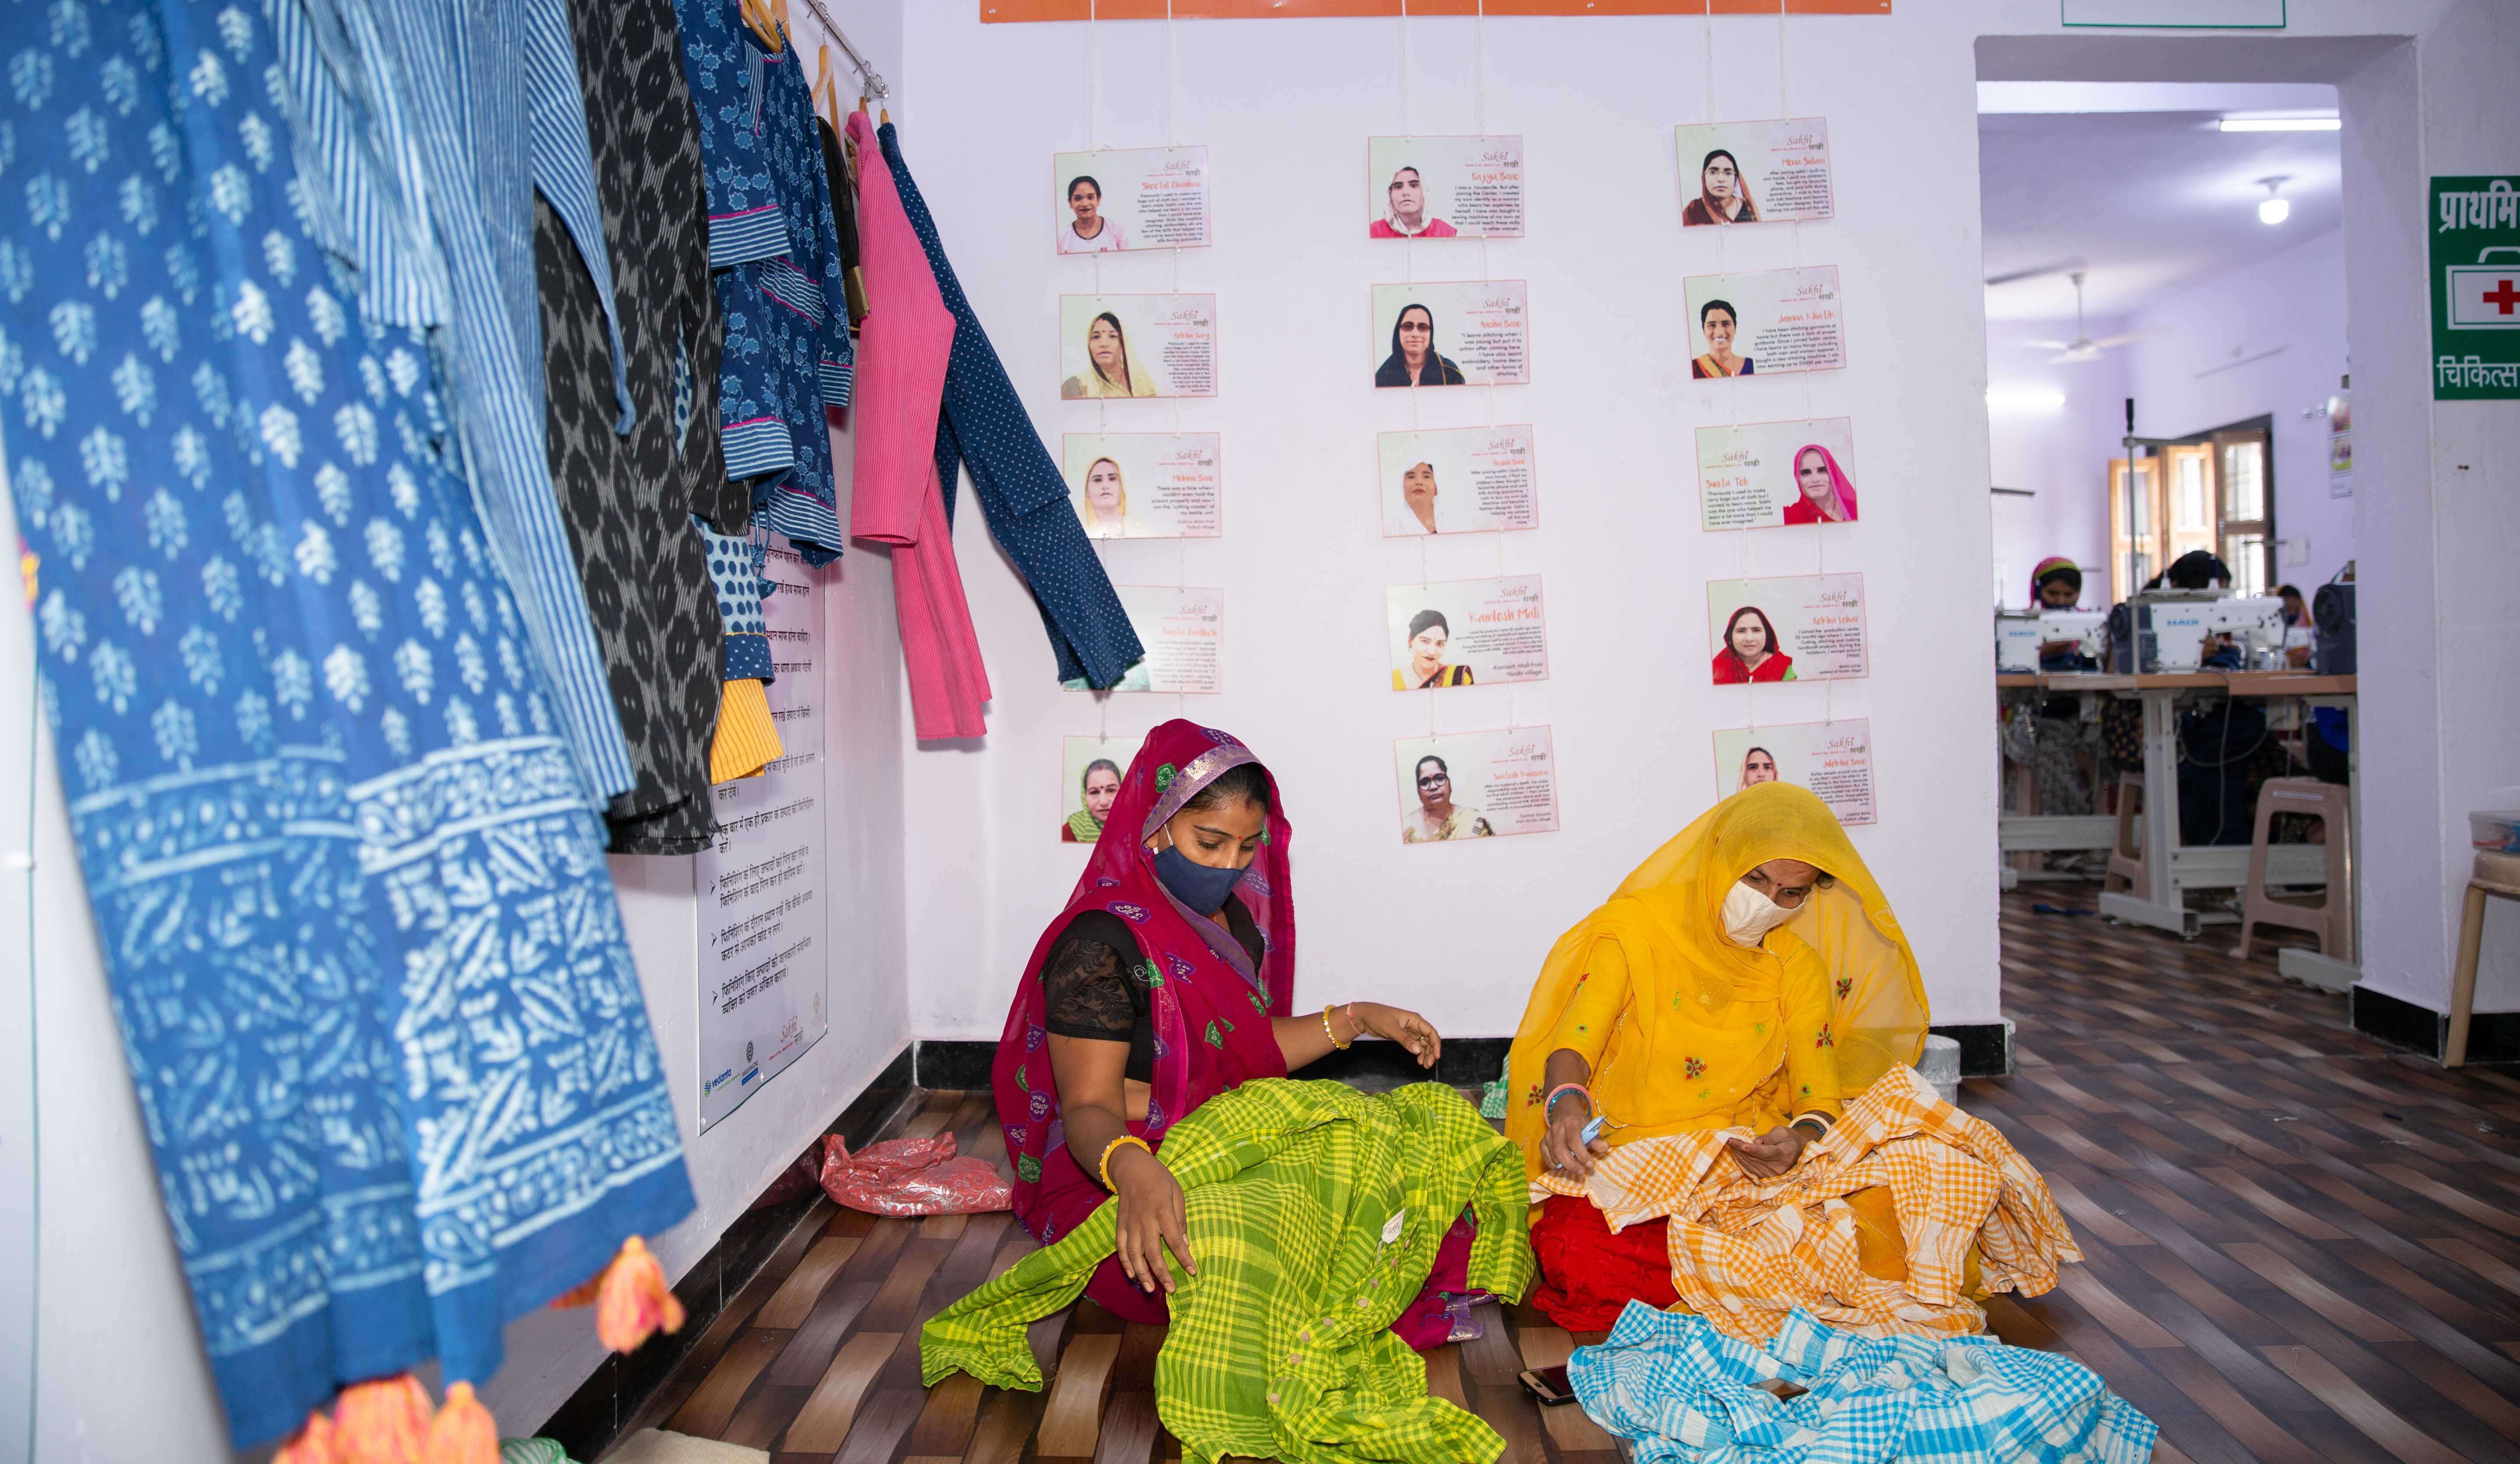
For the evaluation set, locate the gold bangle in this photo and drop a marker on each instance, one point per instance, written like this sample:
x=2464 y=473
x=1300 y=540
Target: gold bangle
x=1332 y=1032
x=1115 y=1147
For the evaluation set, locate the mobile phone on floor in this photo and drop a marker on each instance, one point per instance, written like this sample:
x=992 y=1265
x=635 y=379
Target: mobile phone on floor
x=1548 y=1385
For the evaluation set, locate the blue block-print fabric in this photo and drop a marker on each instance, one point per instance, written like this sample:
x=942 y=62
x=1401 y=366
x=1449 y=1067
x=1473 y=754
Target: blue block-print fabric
x=389 y=1041
x=983 y=426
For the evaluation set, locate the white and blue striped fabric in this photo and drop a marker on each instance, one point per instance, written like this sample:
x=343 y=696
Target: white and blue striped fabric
x=1683 y=1393
x=439 y=82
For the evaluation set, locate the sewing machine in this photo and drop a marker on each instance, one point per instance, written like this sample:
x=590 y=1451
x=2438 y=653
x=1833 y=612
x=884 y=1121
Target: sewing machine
x=2018 y=635
x=2175 y=631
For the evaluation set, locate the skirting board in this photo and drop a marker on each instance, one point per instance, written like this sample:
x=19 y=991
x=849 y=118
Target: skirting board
x=2492 y=1036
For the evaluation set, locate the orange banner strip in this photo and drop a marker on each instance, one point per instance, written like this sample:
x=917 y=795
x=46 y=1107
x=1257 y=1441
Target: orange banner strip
x=1005 y=11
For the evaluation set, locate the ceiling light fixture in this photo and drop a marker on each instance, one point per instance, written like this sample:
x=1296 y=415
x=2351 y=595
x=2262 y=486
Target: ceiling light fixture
x=2274 y=208
x=2282 y=124
x=2043 y=399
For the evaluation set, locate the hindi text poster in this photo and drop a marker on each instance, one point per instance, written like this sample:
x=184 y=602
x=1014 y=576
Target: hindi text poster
x=1146 y=486
x=1123 y=198
x=1467 y=480
x=1460 y=332
x=1833 y=759
x=1137 y=345
x=1763 y=475
x=1182 y=629
x=1090 y=772
x=1764 y=323
x=1475 y=785
x=1763 y=172
x=1468 y=632
x=1443 y=187
x=1803 y=627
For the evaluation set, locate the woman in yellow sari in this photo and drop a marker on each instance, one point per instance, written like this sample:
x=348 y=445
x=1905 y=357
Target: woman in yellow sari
x=1748 y=975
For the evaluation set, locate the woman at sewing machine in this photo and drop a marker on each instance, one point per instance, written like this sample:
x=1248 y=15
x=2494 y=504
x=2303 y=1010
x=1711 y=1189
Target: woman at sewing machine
x=2057 y=584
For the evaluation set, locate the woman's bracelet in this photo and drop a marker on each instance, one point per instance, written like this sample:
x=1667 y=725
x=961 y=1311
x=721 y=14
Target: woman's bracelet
x=1115 y=1147
x=1332 y=1032
x=1550 y=1106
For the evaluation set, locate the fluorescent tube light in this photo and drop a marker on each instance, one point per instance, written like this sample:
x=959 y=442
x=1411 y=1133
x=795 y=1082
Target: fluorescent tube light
x=2282 y=124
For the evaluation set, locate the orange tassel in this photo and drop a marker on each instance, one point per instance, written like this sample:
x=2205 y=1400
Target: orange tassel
x=382 y=1421
x=464 y=1432
x=312 y=1443
x=633 y=1302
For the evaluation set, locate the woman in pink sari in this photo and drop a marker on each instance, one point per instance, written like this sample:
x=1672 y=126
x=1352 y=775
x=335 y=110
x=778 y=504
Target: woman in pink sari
x=1827 y=496
x=1165 y=982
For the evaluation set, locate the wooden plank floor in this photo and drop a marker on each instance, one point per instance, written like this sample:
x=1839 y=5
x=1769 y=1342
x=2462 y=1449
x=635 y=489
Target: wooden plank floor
x=2301 y=1246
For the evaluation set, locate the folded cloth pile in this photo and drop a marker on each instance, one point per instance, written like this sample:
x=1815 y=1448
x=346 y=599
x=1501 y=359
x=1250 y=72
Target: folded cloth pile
x=912 y=1177
x=1745 y=1251
x=1315 y=1213
x=1685 y=1393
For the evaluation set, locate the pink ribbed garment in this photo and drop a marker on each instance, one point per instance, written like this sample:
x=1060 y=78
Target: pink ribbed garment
x=903 y=347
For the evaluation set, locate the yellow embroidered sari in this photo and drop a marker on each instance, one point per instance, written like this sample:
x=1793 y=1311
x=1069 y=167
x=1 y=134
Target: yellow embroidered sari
x=1687 y=1031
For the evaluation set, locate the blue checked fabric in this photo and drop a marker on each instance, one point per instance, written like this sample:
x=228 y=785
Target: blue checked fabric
x=1684 y=1393
x=390 y=1050
x=426 y=126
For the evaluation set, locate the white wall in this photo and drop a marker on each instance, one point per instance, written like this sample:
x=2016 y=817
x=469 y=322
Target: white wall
x=2060 y=453
x=2183 y=381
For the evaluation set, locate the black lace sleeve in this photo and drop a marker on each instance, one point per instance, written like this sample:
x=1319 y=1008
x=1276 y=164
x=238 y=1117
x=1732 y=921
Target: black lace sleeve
x=1088 y=988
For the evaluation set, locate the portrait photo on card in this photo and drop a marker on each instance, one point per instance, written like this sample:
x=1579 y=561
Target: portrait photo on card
x=1461 y=333
x=1182 y=630
x=1443 y=187
x=1089 y=781
x=1460 y=479
x=1765 y=172
x=1765 y=475
x=1144 y=486
x=1833 y=759
x=1123 y=198
x=1475 y=785
x=1468 y=632
x=1796 y=627
x=1137 y=345
x=1766 y=322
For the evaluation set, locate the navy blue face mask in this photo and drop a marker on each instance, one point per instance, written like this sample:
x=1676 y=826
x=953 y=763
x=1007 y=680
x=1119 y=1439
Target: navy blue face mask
x=1202 y=886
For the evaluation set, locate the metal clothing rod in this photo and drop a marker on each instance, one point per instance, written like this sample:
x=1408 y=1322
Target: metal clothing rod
x=874 y=82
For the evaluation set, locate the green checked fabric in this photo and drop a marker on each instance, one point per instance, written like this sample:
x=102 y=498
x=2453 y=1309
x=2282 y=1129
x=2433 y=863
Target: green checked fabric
x=1281 y=1347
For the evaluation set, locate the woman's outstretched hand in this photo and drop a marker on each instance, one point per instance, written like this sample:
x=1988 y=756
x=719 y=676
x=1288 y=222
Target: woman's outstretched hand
x=1562 y=1143
x=1771 y=1154
x=1404 y=1028
x=1152 y=1217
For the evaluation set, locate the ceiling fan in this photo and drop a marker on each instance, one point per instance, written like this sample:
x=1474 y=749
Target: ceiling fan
x=2083 y=348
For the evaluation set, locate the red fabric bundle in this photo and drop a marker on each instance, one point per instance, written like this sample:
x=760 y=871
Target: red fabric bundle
x=912 y=1177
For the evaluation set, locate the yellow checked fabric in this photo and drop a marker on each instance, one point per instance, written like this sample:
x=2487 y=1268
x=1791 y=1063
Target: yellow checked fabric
x=1745 y=1251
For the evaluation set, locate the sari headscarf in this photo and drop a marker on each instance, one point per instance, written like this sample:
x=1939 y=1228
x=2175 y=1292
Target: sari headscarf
x=1211 y=1007
x=1839 y=486
x=1667 y=918
x=1092 y=383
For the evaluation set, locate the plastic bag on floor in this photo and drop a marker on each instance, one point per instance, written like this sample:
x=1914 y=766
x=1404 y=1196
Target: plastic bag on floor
x=911 y=1177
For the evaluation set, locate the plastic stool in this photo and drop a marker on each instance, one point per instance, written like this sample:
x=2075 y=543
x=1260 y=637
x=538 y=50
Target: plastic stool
x=2331 y=917
x=2126 y=855
x=2494 y=874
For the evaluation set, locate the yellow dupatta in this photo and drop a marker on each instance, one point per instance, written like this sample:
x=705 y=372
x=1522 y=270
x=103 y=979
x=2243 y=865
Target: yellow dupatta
x=1698 y=1045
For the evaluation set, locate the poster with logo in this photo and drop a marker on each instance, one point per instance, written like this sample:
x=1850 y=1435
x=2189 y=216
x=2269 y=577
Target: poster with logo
x=2340 y=446
x=1123 y=198
x=1443 y=187
x=1183 y=631
x=1463 y=332
x=1468 y=632
x=2475 y=231
x=1467 y=480
x=1833 y=759
x=1090 y=772
x=1764 y=323
x=1144 y=486
x=1475 y=785
x=1797 y=627
x=1763 y=474
x=763 y=899
x=1137 y=345
x=1765 y=172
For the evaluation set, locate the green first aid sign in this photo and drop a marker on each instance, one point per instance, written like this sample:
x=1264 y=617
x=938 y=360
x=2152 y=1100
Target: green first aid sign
x=2475 y=229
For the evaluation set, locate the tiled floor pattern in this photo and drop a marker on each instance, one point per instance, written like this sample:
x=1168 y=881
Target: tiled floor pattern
x=2301 y=1246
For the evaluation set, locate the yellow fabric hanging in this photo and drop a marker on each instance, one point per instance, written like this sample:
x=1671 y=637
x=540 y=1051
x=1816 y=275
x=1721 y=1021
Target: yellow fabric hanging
x=747 y=740
x=1700 y=1042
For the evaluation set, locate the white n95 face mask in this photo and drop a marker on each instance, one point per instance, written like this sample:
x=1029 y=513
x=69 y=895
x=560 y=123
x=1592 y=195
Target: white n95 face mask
x=1748 y=915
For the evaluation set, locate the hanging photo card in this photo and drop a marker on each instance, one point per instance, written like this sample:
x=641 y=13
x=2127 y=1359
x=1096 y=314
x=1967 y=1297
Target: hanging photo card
x=1137 y=345
x=1764 y=323
x=1130 y=199
x=1468 y=632
x=1090 y=772
x=1833 y=759
x=1144 y=486
x=1755 y=172
x=1801 y=627
x=1760 y=475
x=1443 y=187
x=1183 y=631
x=1465 y=480
x=1464 y=333
x=1475 y=785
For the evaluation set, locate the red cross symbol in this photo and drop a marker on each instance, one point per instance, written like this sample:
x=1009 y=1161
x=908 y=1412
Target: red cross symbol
x=2502 y=295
